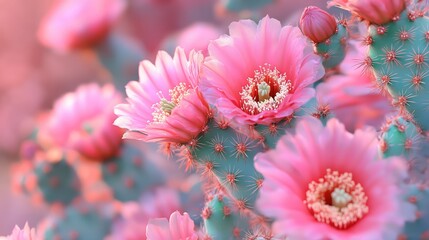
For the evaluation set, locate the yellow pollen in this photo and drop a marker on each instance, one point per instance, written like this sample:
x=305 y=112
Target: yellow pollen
x=264 y=91
x=164 y=107
x=336 y=199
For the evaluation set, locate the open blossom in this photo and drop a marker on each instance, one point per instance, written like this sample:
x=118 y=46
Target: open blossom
x=179 y=227
x=83 y=121
x=260 y=73
x=326 y=183
x=73 y=24
x=374 y=11
x=21 y=234
x=165 y=105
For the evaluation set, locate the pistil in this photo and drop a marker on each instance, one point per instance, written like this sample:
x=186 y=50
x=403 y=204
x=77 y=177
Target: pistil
x=165 y=107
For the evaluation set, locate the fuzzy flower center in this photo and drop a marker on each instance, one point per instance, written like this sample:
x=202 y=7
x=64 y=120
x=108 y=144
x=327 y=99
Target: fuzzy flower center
x=87 y=127
x=265 y=90
x=164 y=107
x=336 y=199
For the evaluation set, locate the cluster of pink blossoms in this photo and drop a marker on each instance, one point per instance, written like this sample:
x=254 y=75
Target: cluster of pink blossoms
x=320 y=183
x=283 y=142
x=248 y=76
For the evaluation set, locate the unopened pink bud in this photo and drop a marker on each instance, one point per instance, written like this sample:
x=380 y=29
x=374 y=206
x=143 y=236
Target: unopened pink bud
x=317 y=24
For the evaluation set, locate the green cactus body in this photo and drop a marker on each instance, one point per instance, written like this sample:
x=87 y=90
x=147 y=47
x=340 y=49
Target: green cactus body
x=273 y=132
x=418 y=229
x=240 y=5
x=221 y=222
x=333 y=50
x=120 y=57
x=128 y=175
x=228 y=155
x=398 y=53
x=78 y=223
x=399 y=138
x=57 y=181
x=192 y=201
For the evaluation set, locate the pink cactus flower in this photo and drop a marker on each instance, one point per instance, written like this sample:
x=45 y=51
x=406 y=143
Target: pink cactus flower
x=165 y=105
x=74 y=24
x=317 y=24
x=180 y=227
x=135 y=216
x=326 y=183
x=260 y=73
x=21 y=234
x=83 y=121
x=374 y=11
x=351 y=95
x=353 y=99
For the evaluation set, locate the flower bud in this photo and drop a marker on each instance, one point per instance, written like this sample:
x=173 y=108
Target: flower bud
x=317 y=24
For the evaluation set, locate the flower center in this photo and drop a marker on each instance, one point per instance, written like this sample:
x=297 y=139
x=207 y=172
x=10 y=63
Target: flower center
x=340 y=198
x=336 y=199
x=164 y=107
x=265 y=90
x=88 y=126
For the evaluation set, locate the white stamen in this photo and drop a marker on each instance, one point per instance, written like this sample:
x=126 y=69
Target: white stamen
x=348 y=201
x=263 y=81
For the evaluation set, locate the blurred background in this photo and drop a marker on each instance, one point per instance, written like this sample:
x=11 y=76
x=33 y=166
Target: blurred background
x=34 y=73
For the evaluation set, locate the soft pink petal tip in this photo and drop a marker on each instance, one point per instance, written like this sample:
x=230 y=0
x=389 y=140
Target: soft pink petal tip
x=26 y=233
x=179 y=227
